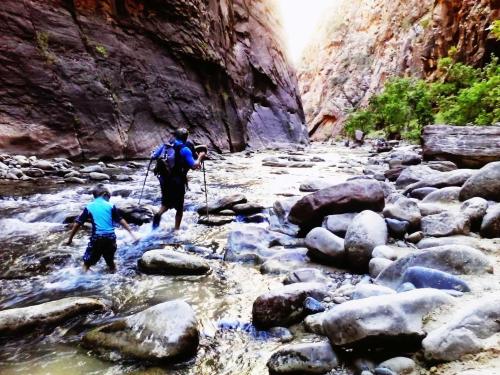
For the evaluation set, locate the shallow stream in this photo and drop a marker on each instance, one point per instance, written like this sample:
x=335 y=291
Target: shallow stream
x=36 y=266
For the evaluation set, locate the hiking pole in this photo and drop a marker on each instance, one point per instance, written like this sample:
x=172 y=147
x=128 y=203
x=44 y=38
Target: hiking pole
x=145 y=178
x=206 y=192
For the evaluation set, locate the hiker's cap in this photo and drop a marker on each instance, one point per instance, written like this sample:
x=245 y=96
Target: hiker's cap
x=181 y=134
x=100 y=190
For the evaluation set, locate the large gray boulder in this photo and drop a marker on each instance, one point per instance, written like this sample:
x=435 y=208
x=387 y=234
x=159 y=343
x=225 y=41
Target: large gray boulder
x=170 y=262
x=306 y=358
x=367 y=230
x=454 y=259
x=381 y=320
x=285 y=306
x=490 y=226
x=325 y=246
x=485 y=183
x=164 y=332
x=442 y=179
x=445 y=224
x=466 y=332
x=350 y=196
x=13 y=321
x=413 y=174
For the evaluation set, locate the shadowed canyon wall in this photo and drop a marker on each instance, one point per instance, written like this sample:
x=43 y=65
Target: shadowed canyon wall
x=363 y=42
x=111 y=78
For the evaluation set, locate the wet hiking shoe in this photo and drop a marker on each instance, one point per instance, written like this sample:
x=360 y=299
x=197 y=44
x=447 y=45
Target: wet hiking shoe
x=156 y=221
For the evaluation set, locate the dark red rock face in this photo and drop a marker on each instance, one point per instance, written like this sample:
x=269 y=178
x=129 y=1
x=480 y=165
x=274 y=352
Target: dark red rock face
x=111 y=78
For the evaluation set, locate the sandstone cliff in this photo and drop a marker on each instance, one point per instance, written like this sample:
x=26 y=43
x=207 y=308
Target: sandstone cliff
x=363 y=42
x=111 y=78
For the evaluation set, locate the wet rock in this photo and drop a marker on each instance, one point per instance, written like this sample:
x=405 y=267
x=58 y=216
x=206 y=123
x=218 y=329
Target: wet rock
x=413 y=174
x=325 y=246
x=285 y=306
x=13 y=321
x=314 y=185
x=445 y=224
x=223 y=204
x=92 y=169
x=454 y=259
x=370 y=290
x=282 y=208
x=215 y=221
x=444 y=195
x=313 y=306
x=403 y=209
x=442 y=179
x=135 y=214
x=422 y=192
x=377 y=265
x=164 y=332
x=338 y=224
x=381 y=320
x=366 y=231
x=351 y=196
x=423 y=277
x=169 y=262
x=490 y=227
x=122 y=177
x=72 y=174
x=307 y=358
x=98 y=176
x=467 y=331
x=304 y=275
x=284 y=261
x=485 y=183
x=397 y=228
x=398 y=366
x=256 y=219
x=74 y=180
x=44 y=165
x=247 y=208
x=121 y=193
x=33 y=172
x=250 y=243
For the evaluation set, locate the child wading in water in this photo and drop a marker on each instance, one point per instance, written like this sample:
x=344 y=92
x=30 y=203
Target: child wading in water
x=102 y=215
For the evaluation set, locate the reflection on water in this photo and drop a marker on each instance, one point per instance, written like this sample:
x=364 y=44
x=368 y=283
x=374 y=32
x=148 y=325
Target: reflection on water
x=37 y=267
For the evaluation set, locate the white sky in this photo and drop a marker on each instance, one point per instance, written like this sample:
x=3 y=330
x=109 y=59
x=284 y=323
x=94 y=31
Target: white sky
x=300 y=19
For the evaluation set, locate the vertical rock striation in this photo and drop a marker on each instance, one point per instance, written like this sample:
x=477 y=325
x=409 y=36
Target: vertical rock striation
x=361 y=43
x=110 y=78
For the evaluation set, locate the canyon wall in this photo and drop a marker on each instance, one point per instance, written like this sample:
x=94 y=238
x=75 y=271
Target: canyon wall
x=94 y=79
x=363 y=42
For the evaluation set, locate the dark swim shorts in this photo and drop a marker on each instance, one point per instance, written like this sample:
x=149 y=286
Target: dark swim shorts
x=172 y=193
x=100 y=245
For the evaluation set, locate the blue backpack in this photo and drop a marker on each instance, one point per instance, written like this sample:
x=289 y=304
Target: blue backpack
x=166 y=163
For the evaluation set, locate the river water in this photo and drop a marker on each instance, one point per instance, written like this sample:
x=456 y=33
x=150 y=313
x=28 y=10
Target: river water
x=36 y=266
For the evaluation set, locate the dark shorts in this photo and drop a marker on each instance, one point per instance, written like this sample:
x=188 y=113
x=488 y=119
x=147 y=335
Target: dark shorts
x=172 y=193
x=100 y=245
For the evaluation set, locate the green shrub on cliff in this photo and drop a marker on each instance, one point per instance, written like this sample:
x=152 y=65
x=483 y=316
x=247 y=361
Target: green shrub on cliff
x=460 y=95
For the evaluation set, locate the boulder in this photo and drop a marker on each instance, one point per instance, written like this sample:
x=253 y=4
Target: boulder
x=14 y=321
x=444 y=196
x=325 y=246
x=404 y=209
x=273 y=161
x=398 y=366
x=305 y=275
x=247 y=208
x=466 y=332
x=466 y=146
x=285 y=306
x=442 y=179
x=44 y=165
x=170 y=262
x=98 y=176
x=413 y=174
x=454 y=259
x=423 y=277
x=351 y=196
x=474 y=208
x=122 y=177
x=422 y=192
x=222 y=204
x=445 y=224
x=307 y=358
x=382 y=320
x=485 y=183
x=338 y=224
x=490 y=226
x=415 y=237
x=134 y=213
x=366 y=231
x=164 y=332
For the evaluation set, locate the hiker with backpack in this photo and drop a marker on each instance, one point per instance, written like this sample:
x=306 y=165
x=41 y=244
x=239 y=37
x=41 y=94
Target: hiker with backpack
x=102 y=215
x=173 y=161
